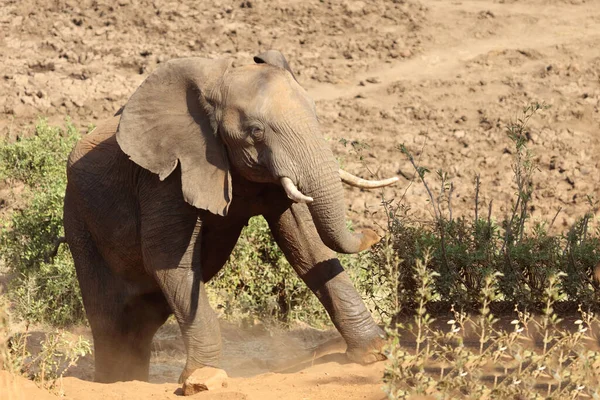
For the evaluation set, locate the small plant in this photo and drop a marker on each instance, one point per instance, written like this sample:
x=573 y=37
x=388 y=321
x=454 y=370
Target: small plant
x=58 y=352
x=4 y=334
x=405 y=366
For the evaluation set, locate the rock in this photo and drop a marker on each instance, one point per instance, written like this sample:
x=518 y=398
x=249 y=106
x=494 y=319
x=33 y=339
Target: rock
x=203 y=379
x=354 y=7
x=405 y=53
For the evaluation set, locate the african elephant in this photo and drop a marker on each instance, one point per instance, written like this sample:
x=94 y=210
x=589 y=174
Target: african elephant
x=157 y=197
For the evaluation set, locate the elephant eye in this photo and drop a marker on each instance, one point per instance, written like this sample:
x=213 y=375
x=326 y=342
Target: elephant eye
x=257 y=133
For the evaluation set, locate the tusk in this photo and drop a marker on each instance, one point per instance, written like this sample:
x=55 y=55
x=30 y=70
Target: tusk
x=352 y=180
x=293 y=193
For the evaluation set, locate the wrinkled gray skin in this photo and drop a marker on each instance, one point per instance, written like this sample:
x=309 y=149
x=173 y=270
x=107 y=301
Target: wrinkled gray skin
x=157 y=197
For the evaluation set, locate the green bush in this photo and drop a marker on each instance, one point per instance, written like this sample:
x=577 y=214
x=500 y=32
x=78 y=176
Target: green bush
x=44 y=287
x=463 y=256
x=258 y=283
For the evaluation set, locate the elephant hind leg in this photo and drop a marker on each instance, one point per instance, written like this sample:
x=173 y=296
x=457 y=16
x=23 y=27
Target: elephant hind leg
x=123 y=322
x=123 y=338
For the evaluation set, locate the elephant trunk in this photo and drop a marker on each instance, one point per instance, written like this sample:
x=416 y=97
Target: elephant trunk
x=321 y=185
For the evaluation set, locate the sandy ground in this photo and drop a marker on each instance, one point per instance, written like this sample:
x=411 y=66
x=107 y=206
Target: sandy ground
x=247 y=357
x=444 y=77
x=328 y=380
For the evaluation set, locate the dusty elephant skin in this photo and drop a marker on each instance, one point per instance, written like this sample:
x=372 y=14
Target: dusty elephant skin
x=158 y=195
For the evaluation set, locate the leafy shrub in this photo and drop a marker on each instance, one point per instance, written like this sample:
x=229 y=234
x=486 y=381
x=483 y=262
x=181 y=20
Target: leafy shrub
x=44 y=288
x=467 y=257
x=58 y=352
x=258 y=282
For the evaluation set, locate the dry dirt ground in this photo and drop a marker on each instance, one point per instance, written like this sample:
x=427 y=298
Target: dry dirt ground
x=444 y=77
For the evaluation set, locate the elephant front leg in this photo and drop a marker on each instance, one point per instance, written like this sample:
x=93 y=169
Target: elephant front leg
x=318 y=267
x=172 y=255
x=198 y=323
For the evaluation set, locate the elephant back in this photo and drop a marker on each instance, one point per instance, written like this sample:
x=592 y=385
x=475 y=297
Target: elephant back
x=101 y=136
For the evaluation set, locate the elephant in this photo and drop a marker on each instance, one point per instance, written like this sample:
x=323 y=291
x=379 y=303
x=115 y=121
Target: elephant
x=157 y=197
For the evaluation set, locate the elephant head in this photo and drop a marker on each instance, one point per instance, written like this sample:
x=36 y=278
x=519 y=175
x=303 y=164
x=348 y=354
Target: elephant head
x=210 y=117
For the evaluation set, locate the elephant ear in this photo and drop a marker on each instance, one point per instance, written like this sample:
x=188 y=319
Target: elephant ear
x=276 y=59
x=170 y=119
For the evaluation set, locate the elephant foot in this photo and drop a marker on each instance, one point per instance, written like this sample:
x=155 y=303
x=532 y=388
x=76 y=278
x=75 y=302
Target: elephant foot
x=369 y=353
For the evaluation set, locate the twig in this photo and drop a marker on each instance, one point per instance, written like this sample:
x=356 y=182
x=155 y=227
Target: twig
x=586 y=220
x=421 y=175
x=522 y=219
x=489 y=218
x=411 y=179
x=509 y=224
x=555 y=216
x=404 y=174
x=56 y=245
x=450 y=200
x=477 y=183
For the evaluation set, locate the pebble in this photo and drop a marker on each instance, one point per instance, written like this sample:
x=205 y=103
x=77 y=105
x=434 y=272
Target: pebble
x=459 y=134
